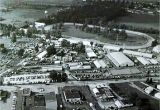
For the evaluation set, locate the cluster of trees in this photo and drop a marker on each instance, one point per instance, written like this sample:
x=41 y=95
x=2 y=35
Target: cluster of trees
x=20 y=52
x=93 y=12
x=149 y=80
x=6 y=29
x=154 y=43
x=58 y=77
x=51 y=50
x=13 y=32
x=65 y=43
x=84 y=27
x=48 y=20
x=130 y=27
x=115 y=34
x=31 y=31
x=79 y=47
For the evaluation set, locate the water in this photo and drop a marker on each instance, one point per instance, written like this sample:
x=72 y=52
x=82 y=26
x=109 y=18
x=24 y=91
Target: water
x=19 y=15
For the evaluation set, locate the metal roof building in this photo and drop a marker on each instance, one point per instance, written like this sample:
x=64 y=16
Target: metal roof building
x=135 y=53
x=90 y=52
x=113 y=48
x=41 y=55
x=143 y=61
x=156 y=49
x=119 y=59
x=100 y=64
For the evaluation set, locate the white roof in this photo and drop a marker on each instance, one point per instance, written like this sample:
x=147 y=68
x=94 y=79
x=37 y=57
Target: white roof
x=119 y=59
x=118 y=104
x=100 y=63
x=57 y=62
x=153 y=61
x=143 y=60
x=41 y=55
x=90 y=52
x=50 y=68
x=97 y=64
x=95 y=91
x=86 y=43
x=156 y=49
x=109 y=47
x=149 y=89
x=157 y=95
x=158 y=87
x=25 y=79
x=39 y=24
x=80 y=67
x=135 y=53
x=103 y=64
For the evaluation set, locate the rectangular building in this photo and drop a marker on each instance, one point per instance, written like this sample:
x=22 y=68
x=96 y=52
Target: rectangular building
x=119 y=59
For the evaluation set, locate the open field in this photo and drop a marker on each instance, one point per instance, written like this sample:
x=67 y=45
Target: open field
x=130 y=41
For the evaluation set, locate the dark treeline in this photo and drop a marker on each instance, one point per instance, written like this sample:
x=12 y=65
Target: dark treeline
x=93 y=13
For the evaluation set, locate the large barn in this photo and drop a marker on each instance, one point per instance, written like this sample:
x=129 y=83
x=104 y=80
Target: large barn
x=119 y=59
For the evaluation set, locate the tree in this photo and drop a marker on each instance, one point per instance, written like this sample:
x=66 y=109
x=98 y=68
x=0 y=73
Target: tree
x=21 y=52
x=58 y=34
x=29 y=32
x=91 y=43
x=80 y=47
x=51 y=50
x=21 y=32
x=4 y=50
x=1 y=45
x=154 y=43
x=64 y=77
x=53 y=75
x=48 y=36
x=14 y=39
x=65 y=43
x=62 y=54
x=36 y=48
x=59 y=77
x=123 y=34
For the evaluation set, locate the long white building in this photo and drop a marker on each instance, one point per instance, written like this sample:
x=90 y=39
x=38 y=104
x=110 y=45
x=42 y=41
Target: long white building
x=119 y=59
x=27 y=79
x=143 y=61
x=135 y=53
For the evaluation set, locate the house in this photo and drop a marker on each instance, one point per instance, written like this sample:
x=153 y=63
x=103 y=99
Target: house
x=39 y=26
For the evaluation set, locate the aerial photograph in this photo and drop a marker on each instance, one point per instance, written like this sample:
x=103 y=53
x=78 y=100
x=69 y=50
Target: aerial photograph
x=79 y=55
